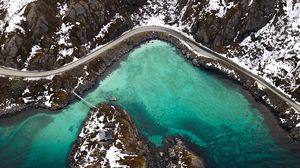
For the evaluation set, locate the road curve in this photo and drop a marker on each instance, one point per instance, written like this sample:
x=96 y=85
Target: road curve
x=196 y=46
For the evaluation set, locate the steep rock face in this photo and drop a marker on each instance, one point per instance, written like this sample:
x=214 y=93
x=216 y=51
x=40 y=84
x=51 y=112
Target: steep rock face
x=274 y=51
x=3 y=12
x=59 y=32
x=11 y=49
x=240 y=19
x=90 y=15
x=39 y=22
x=49 y=35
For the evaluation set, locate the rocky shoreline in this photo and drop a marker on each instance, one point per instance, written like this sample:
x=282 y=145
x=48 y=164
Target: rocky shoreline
x=110 y=138
x=58 y=88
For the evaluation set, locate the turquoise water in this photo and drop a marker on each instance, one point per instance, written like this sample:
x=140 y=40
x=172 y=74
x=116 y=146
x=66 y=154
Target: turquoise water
x=166 y=96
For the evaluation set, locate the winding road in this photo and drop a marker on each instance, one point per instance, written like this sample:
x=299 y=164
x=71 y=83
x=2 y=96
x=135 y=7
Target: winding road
x=194 y=45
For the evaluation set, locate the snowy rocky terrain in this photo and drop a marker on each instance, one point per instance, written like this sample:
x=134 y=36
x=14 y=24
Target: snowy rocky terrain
x=274 y=51
x=94 y=149
x=260 y=35
x=110 y=139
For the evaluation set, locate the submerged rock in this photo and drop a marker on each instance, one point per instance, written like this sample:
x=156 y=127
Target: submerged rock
x=112 y=98
x=175 y=154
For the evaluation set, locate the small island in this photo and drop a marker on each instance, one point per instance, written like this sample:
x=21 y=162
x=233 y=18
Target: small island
x=109 y=138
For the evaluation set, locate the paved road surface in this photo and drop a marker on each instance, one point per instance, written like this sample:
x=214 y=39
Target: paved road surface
x=196 y=46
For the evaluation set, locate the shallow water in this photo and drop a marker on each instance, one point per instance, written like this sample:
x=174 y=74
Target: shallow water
x=166 y=96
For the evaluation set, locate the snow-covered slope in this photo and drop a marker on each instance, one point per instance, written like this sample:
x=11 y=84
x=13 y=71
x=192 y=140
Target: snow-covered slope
x=12 y=11
x=274 y=51
x=105 y=150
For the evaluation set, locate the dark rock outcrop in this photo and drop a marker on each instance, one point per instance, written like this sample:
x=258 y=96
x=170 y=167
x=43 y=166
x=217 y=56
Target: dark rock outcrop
x=238 y=23
x=90 y=15
x=86 y=18
x=295 y=133
x=296 y=93
x=40 y=20
x=44 y=23
x=131 y=2
x=11 y=50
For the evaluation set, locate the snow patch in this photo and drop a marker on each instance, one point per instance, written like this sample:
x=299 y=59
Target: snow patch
x=64 y=34
x=63 y=8
x=15 y=10
x=34 y=51
x=37 y=78
x=106 y=27
x=63 y=53
x=219 y=6
x=113 y=155
x=276 y=55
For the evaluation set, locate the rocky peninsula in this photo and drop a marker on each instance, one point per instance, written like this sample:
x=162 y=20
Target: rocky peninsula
x=110 y=138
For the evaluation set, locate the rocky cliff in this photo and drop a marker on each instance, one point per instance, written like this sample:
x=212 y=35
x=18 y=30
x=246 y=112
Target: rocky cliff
x=43 y=35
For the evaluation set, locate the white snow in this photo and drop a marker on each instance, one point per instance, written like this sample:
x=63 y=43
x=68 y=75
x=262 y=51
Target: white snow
x=48 y=101
x=64 y=34
x=259 y=85
x=27 y=99
x=63 y=8
x=227 y=71
x=106 y=27
x=181 y=163
x=154 y=21
x=219 y=6
x=14 y=22
x=63 y=53
x=155 y=14
x=15 y=9
x=66 y=48
x=113 y=155
x=46 y=97
x=38 y=78
x=9 y=105
x=250 y=3
x=113 y=152
x=34 y=50
x=293 y=115
x=280 y=59
x=26 y=91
